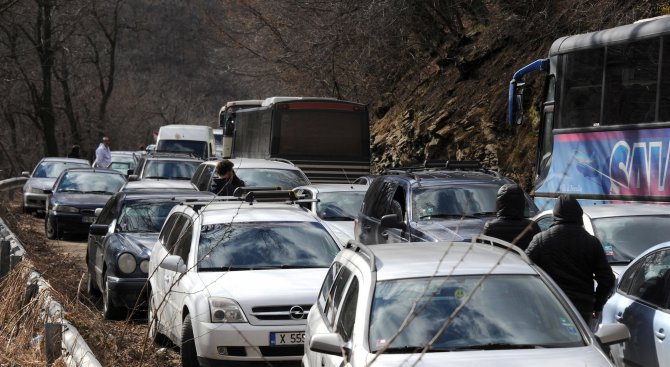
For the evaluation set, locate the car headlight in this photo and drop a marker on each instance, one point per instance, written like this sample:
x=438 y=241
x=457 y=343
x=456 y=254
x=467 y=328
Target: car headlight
x=65 y=209
x=127 y=263
x=225 y=310
x=144 y=266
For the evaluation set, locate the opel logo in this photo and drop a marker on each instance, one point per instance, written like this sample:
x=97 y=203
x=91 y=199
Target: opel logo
x=296 y=313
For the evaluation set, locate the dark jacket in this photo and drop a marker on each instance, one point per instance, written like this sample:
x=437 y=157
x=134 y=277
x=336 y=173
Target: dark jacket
x=510 y=224
x=573 y=258
x=226 y=187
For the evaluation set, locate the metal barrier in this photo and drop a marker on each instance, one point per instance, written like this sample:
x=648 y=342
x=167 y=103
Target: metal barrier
x=61 y=338
x=12 y=183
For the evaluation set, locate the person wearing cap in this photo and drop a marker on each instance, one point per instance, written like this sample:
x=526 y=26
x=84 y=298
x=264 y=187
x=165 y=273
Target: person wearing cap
x=74 y=152
x=510 y=224
x=103 y=156
x=573 y=258
x=227 y=182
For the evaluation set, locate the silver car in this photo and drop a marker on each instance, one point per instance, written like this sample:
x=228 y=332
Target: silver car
x=447 y=303
x=43 y=178
x=642 y=303
x=625 y=230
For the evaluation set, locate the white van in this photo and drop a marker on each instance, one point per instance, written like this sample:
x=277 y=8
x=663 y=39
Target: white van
x=195 y=139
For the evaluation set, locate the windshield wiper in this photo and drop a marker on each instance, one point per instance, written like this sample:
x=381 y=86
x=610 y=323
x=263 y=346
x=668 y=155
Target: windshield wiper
x=337 y=218
x=446 y=216
x=493 y=346
x=157 y=177
x=98 y=192
x=483 y=214
x=181 y=178
x=226 y=268
x=285 y=266
x=620 y=262
x=71 y=191
x=402 y=350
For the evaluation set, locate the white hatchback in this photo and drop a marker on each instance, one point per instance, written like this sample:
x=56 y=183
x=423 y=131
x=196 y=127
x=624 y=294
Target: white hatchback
x=233 y=281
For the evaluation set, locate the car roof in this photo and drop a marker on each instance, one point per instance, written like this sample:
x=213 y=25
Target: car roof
x=167 y=185
x=243 y=163
x=123 y=152
x=63 y=159
x=165 y=156
x=426 y=259
x=320 y=188
x=620 y=210
x=177 y=195
x=91 y=169
x=238 y=211
x=433 y=177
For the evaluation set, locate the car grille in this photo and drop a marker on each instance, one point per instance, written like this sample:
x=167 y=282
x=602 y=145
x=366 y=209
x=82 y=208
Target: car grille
x=292 y=312
x=283 y=351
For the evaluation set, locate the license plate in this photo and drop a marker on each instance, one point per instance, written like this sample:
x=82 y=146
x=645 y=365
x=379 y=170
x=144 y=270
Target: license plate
x=289 y=338
x=88 y=219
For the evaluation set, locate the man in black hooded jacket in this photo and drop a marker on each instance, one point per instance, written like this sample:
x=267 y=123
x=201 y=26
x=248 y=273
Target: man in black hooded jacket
x=573 y=258
x=510 y=224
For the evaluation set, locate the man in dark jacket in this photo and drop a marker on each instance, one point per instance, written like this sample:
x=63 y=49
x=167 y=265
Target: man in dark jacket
x=510 y=224
x=227 y=181
x=573 y=258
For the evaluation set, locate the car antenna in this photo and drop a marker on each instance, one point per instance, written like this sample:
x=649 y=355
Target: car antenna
x=347 y=177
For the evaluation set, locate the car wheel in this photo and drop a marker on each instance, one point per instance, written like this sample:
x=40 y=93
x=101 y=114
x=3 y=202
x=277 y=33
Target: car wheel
x=91 y=288
x=110 y=312
x=51 y=227
x=189 y=357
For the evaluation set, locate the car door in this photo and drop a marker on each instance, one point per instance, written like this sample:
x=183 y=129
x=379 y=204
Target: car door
x=343 y=311
x=180 y=288
x=161 y=278
x=376 y=204
x=95 y=248
x=170 y=278
x=644 y=310
x=399 y=205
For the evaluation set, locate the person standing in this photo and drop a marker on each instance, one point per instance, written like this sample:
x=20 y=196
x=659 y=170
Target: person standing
x=103 y=156
x=573 y=258
x=227 y=181
x=510 y=224
x=74 y=152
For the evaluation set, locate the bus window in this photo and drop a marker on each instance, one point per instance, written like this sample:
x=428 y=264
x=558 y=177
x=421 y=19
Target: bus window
x=630 y=82
x=664 y=104
x=582 y=88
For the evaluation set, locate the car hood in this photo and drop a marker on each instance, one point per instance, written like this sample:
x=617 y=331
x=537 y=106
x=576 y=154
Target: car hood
x=450 y=230
x=344 y=230
x=80 y=200
x=558 y=357
x=275 y=287
x=138 y=243
x=42 y=183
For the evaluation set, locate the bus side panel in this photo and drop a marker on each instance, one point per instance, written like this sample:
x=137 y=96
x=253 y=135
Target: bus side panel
x=633 y=165
x=253 y=132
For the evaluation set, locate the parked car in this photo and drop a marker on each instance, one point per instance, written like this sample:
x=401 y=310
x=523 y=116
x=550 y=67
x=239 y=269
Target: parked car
x=42 y=179
x=239 y=275
x=625 y=230
x=336 y=204
x=75 y=196
x=254 y=173
x=642 y=303
x=165 y=166
x=119 y=246
x=151 y=185
x=429 y=203
x=124 y=161
x=440 y=304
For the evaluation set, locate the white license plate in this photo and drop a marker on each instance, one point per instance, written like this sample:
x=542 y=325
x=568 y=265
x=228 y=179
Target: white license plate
x=289 y=338
x=88 y=219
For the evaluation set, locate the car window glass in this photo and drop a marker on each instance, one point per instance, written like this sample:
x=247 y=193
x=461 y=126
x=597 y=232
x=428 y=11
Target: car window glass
x=196 y=176
x=167 y=228
x=203 y=182
x=625 y=237
x=347 y=314
x=108 y=212
x=545 y=222
x=339 y=206
x=176 y=227
x=183 y=243
x=327 y=283
x=287 y=179
x=371 y=197
x=336 y=293
x=652 y=279
x=628 y=276
x=382 y=202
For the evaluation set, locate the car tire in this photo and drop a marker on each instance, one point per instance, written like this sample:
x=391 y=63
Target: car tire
x=51 y=227
x=189 y=357
x=110 y=312
x=91 y=288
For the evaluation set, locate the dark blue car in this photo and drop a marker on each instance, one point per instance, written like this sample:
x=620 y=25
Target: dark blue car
x=76 y=194
x=120 y=242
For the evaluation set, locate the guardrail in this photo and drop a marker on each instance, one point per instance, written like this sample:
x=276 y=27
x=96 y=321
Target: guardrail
x=12 y=183
x=61 y=338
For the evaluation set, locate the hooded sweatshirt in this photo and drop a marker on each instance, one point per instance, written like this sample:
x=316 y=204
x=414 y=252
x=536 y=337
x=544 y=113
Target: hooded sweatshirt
x=510 y=224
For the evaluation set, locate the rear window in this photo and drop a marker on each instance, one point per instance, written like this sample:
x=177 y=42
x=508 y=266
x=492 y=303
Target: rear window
x=54 y=169
x=284 y=178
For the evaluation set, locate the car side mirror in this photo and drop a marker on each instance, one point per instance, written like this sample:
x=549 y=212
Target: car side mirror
x=609 y=334
x=97 y=212
x=331 y=344
x=98 y=229
x=392 y=221
x=173 y=263
x=518 y=103
x=133 y=178
x=25 y=174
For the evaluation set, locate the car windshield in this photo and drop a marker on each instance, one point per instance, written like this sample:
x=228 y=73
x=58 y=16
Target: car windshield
x=284 y=178
x=91 y=182
x=343 y=205
x=54 y=169
x=198 y=148
x=624 y=238
x=143 y=216
x=265 y=245
x=121 y=167
x=454 y=202
x=492 y=316
x=172 y=170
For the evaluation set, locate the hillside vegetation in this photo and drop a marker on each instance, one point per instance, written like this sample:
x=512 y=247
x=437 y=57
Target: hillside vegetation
x=434 y=73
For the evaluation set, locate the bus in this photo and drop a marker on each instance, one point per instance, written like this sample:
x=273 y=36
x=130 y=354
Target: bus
x=224 y=135
x=327 y=138
x=604 y=133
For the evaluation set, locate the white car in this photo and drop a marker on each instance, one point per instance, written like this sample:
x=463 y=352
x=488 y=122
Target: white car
x=254 y=172
x=43 y=178
x=336 y=204
x=625 y=230
x=233 y=281
x=447 y=304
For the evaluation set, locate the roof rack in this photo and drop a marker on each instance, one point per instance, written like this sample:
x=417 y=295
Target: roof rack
x=358 y=247
x=274 y=195
x=502 y=244
x=243 y=190
x=437 y=165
